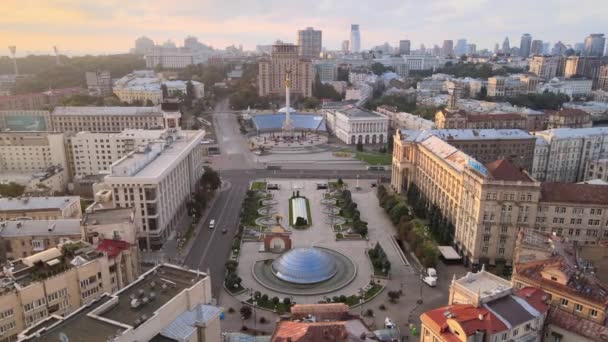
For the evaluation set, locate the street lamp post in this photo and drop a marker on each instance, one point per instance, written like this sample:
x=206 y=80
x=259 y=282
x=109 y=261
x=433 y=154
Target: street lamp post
x=420 y=300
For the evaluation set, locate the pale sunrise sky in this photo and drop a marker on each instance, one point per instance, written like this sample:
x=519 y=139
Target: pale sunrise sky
x=111 y=26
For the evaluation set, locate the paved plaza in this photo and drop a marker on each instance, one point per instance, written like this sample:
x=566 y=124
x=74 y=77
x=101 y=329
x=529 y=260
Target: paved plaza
x=403 y=277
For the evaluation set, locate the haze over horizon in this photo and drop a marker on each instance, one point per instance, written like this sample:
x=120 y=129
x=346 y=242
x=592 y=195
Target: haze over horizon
x=111 y=26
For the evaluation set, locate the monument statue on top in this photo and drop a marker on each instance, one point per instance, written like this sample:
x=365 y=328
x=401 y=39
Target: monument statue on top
x=287 y=127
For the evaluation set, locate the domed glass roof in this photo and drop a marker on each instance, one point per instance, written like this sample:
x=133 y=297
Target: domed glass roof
x=305 y=266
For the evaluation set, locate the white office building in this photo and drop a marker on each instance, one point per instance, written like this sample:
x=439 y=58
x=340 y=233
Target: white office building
x=573 y=87
x=94 y=153
x=157 y=180
x=421 y=62
x=352 y=125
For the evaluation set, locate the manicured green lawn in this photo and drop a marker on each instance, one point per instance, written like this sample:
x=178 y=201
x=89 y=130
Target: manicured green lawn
x=375 y=158
x=258 y=186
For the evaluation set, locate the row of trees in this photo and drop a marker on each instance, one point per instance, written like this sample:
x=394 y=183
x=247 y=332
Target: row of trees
x=483 y=71
x=542 y=101
x=208 y=184
x=394 y=206
x=379 y=258
x=348 y=209
x=439 y=226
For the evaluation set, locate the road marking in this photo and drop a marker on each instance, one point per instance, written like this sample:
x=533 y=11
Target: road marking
x=215 y=229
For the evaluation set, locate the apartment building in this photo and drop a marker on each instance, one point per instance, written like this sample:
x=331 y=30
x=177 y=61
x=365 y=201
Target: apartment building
x=105 y=119
x=167 y=303
x=21 y=238
x=578 y=212
x=157 y=180
x=575 y=88
x=544 y=66
x=403 y=120
x=36 y=160
x=37 y=101
x=146 y=86
x=488 y=145
x=576 y=294
x=460 y=119
x=285 y=59
x=60 y=280
x=40 y=208
x=603 y=78
x=94 y=153
x=484 y=307
x=99 y=83
x=563 y=153
x=568 y=118
x=486 y=204
x=310 y=42
x=353 y=125
x=596 y=169
x=500 y=86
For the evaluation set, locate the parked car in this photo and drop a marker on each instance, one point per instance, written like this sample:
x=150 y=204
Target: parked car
x=430 y=281
x=211 y=224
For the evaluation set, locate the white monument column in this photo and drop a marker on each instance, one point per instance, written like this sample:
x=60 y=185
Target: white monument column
x=287 y=128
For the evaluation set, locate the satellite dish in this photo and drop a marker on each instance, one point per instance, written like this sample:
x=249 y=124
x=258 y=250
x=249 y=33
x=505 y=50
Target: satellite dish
x=63 y=337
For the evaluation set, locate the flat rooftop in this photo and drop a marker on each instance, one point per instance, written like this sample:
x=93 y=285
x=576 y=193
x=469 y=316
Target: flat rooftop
x=37 y=203
x=105 y=111
x=480 y=134
x=108 y=216
x=89 y=325
x=356 y=112
x=483 y=283
x=157 y=157
x=569 y=133
x=40 y=227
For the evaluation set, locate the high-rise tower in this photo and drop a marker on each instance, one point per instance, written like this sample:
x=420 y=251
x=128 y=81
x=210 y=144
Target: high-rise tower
x=524 y=45
x=355 y=38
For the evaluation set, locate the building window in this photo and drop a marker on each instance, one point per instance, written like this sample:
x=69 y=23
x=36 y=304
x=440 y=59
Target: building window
x=501 y=251
x=515 y=332
x=593 y=313
x=564 y=302
x=578 y=307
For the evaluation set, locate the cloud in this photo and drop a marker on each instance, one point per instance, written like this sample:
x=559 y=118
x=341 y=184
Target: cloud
x=113 y=25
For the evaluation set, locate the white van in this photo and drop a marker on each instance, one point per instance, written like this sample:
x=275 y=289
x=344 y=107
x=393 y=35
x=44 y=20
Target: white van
x=211 y=224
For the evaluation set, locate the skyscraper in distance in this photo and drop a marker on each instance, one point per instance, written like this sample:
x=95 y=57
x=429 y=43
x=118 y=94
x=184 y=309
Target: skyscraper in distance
x=345 y=46
x=594 y=45
x=461 y=47
x=536 y=47
x=310 y=42
x=506 y=47
x=355 y=38
x=525 y=45
x=404 y=47
x=448 y=48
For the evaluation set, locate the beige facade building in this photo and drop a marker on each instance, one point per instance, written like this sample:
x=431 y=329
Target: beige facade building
x=167 y=303
x=353 y=125
x=272 y=72
x=60 y=280
x=105 y=119
x=569 y=118
x=486 y=205
x=40 y=208
x=500 y=86
x=460 y=119
x=23 y=238
x=544 y=66
x=603 y=78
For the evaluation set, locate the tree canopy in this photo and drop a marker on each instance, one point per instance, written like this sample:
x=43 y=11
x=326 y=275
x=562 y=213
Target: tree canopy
x=71 y=73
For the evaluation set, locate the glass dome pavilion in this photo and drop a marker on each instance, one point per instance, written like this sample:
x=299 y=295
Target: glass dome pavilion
x=305 y=266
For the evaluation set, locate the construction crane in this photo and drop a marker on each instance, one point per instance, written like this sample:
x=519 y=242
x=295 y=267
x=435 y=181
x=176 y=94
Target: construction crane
x=56 y=55
x=13 y=49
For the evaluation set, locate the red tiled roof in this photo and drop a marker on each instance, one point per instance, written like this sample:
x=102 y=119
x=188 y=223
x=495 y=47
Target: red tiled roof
x=503 y=170
x=575 y=324
x=535 y=297
x=467 y=316
x=577 y=193
x=310 y=332
x=112 y=247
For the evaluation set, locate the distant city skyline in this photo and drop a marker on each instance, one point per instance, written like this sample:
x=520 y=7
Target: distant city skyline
x=111 y=26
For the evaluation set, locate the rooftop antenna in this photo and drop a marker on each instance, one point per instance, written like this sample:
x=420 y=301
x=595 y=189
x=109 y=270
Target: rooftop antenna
x=13 y=49
x=57 y=62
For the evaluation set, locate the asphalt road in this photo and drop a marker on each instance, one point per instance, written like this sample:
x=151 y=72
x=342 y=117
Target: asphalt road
x=237 y=167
